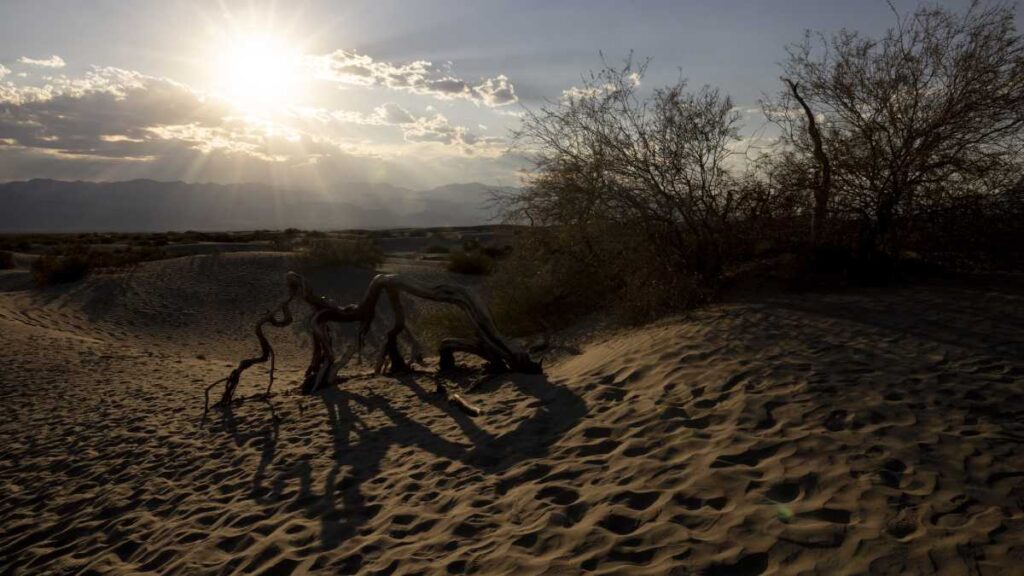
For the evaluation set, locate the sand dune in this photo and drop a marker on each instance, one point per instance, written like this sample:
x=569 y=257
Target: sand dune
x=864 y=432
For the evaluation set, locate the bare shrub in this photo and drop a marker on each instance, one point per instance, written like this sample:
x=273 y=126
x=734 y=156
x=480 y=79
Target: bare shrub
x=635 y=188
x=925 y=118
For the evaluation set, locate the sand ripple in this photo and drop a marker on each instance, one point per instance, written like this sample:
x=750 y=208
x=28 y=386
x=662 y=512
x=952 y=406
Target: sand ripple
x=870 y=432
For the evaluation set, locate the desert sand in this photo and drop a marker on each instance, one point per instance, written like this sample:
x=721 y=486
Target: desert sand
x=869 y=431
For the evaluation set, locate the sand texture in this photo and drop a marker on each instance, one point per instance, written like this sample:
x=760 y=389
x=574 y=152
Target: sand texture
x=865 y=432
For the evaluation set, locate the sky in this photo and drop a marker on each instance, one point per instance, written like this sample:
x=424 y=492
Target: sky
x=319 y=93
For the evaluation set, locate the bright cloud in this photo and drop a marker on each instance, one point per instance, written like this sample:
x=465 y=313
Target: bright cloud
x=430 y=129
x=348 y=67
x=112 y=123
x=51 y=62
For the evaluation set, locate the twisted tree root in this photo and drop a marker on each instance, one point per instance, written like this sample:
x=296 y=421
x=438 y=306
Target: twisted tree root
x=500 y=353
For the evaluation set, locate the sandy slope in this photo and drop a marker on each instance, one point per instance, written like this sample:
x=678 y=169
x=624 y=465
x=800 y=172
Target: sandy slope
x=865 y=432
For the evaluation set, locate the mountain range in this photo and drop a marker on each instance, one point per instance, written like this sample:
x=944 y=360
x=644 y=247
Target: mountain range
x=44 y=205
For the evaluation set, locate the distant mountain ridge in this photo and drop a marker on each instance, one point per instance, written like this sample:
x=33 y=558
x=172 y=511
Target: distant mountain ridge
x=44 y=205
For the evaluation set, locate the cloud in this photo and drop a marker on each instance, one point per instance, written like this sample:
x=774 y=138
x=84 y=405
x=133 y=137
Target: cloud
x=107 y=112
x=592 y=90
x=435 y=129
x=392 y=113
x=51 y=62
x=389 y=114
x=420 y=129
x=114 y=124
x=59 y=119
x=438 y=129
x=348 y=67
x=497 y=91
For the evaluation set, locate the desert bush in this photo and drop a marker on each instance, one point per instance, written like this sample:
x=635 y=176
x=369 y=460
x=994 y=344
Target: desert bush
x=635 y=188
x=538 y=287
x=926 y=117
x=282 y=244
x=76 y=261
x=49 y=269
x=471 y=263
x=361 y=252
x=434 y=322
x=6 y=260
x=545 y=283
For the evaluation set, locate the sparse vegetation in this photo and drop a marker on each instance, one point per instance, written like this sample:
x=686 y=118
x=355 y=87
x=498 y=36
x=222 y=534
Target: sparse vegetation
x=634 y=190
x=282 y=244
x=361 y=252
x=922 y=127
x=60 y=269
x=907 y=145
x=77 y=261
x=6 y=260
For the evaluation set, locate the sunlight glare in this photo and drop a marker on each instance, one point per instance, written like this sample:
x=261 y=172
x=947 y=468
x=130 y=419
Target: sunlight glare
x=259 y=73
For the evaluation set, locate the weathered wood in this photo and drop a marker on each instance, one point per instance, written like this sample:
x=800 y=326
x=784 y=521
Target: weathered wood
x=266 y=352
x=500 y=352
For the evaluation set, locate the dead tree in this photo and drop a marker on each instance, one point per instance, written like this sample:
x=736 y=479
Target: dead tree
x=489 y=344
x=823 y=187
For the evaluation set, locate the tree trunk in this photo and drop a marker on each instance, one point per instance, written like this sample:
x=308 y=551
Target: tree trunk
x=823 y=187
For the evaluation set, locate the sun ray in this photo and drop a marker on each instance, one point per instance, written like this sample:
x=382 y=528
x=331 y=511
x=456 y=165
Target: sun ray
x=260 y=73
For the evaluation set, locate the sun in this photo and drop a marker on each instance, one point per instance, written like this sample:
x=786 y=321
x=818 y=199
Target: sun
x=259 y=73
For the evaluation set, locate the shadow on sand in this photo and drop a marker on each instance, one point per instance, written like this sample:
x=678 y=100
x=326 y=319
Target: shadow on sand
x=342 y=507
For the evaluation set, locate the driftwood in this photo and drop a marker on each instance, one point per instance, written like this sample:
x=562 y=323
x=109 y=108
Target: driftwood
x=501 y=353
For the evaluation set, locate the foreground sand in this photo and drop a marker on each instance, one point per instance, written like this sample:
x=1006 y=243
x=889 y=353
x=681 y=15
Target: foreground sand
x=866 y=432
